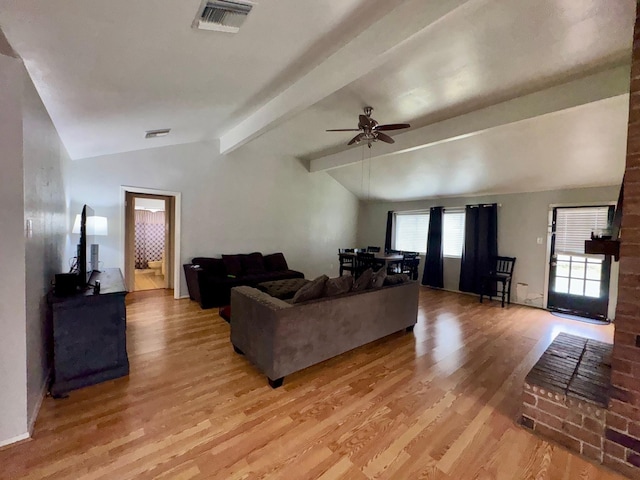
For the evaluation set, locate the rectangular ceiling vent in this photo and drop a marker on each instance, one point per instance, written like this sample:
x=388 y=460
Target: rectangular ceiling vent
x=222 y=15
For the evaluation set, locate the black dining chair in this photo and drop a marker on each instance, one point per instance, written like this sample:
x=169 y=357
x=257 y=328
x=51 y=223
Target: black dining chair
x=366 y=260
x=501 y=272
x=347 y=262
x=371 y=249
x=409 y=265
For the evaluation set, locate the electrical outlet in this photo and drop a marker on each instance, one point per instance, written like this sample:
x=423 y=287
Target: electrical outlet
x=539 y=240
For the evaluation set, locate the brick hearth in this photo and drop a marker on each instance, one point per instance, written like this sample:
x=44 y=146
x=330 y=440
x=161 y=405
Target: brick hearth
x=565 y=394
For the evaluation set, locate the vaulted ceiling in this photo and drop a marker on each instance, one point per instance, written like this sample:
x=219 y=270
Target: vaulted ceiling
x=502 y=95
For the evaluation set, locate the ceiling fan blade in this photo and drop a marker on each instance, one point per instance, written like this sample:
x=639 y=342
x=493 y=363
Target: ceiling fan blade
x=344 y=130
x=355 y=139
x=391 y=126
x=385 y=138
x=364 y=121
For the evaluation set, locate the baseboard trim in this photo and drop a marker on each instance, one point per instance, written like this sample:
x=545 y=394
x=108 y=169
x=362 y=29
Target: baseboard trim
x=513 y=302
x=183 y=296
x=36 y=410
x=15 y=439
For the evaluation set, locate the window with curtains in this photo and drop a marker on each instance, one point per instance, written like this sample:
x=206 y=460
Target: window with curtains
x=453 y=232
x=410 y=231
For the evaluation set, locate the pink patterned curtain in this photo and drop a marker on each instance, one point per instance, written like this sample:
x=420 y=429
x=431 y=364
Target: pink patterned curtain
x=149 y=237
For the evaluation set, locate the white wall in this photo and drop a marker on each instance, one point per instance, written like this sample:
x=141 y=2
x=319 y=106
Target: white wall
x=242 y=202
x=32 y=189
x=13 y=375
x=44 y=158
x=522 y=218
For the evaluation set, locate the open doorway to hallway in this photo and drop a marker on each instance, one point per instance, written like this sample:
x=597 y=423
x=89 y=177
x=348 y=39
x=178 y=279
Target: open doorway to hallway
x=149 y=245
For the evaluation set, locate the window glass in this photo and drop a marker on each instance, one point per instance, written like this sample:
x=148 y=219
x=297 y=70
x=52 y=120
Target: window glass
x=411 y=231
x=453 y=233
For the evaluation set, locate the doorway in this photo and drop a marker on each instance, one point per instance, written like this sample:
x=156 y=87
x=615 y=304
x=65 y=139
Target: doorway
x=149 y=241
x=578 y=282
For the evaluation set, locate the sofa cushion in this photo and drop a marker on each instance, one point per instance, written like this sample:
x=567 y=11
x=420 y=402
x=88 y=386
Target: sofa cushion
x=252 y=264
x=363 y=281
x=275 y=262
x=213 y=266
x=282 y=289
x=281 y=275
x=396 y=279
x=338 y=285
x=312 y=290
x=377 y=279
x=232 y=264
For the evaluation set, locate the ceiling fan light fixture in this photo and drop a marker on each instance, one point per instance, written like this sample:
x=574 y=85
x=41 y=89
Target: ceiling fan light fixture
x=371 y=130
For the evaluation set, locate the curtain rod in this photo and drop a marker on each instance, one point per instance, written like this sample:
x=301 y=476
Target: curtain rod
x=473 y=206
x=427 y=209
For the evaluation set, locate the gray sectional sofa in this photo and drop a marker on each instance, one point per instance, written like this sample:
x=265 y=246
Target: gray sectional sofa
x=282 y=338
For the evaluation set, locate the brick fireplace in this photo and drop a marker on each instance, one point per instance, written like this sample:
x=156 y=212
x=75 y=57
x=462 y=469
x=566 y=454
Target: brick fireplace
x=585 y=395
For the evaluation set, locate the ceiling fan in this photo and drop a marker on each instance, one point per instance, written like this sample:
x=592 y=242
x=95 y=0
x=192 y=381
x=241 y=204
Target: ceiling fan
x=370 y=130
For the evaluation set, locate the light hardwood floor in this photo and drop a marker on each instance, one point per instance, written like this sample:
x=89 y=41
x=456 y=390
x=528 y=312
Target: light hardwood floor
x=147 y=280
x=440 y=403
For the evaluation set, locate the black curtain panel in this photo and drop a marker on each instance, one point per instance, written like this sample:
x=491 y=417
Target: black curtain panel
x=480 y=245
x=433 y=268
x=387 y=237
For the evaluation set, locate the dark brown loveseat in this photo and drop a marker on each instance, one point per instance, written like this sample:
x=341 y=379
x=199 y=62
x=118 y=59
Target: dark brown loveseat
x=210 y=280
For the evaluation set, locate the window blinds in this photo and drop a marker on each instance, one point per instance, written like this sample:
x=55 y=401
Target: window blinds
x=574 y=226
x=453 y=233
x=411 y=231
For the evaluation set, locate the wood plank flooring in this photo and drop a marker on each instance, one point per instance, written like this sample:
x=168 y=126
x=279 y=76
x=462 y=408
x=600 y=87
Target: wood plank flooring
x=147 y=280
x=440 y=403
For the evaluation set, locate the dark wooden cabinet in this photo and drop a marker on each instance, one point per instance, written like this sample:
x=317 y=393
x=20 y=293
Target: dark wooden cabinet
x=89 y=335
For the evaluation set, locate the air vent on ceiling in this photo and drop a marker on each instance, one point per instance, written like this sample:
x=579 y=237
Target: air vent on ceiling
x=222 y=15
x=163 y=132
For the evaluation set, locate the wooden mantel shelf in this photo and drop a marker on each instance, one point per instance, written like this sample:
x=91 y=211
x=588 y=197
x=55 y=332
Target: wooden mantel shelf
x=601 y=246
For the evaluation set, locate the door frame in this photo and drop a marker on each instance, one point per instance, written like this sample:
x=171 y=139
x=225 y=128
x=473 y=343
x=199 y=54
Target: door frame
x=177 y=196
x=547 y=256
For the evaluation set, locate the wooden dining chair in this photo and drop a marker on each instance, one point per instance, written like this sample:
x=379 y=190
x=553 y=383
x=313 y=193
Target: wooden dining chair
x=410 y=263
x=363 y=261
x=347 y=263
x=501 y=272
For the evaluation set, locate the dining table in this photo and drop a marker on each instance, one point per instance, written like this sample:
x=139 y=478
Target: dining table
x=389 y=258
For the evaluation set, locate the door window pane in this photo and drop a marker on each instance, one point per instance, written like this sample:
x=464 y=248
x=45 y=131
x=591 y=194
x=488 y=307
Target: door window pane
x=562 y=285
x=577 y=268
x=564 y=258
x=592 y=289
x=576 y=287
x=594 y=271
x=562 y=269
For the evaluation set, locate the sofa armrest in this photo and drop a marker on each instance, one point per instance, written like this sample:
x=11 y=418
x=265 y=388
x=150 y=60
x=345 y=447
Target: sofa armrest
x=193 y=274
x=254 y=325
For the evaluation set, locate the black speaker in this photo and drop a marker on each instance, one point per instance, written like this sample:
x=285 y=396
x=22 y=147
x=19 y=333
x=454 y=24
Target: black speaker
x=66 y=284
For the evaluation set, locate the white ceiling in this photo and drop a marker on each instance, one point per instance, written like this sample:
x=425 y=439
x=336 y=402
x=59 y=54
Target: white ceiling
x=108 y=71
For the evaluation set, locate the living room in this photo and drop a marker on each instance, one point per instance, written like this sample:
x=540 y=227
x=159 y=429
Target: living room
x=255 y=169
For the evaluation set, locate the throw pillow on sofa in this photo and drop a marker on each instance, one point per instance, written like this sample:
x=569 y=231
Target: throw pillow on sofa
x=253 y=264
x=396 y=279
x=377 y=279
x=311 y=290
x=275 y=262
x=363 y=281
x=232 y=264
x=338 y=285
